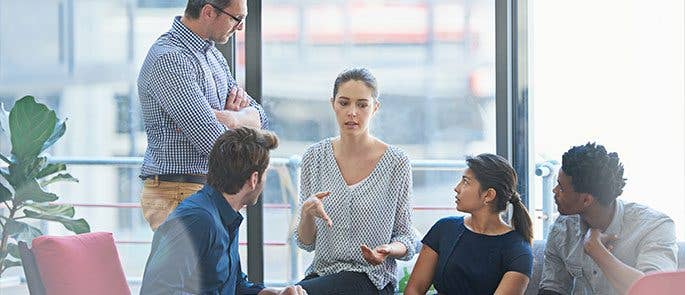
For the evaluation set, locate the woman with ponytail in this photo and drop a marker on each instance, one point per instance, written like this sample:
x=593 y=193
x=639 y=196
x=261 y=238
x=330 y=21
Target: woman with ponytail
x=478 y=253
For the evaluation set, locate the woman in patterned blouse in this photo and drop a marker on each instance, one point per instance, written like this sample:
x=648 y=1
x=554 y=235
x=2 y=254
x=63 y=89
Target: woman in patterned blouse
x=355 y=196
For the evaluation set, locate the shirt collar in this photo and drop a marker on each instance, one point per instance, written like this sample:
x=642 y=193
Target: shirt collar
x=229 y=217
x=189 y=37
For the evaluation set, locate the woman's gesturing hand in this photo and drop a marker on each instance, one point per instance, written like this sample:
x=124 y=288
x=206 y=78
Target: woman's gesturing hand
x=313 y=206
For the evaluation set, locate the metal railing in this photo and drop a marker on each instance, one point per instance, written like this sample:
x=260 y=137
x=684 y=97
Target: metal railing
x=287 y=170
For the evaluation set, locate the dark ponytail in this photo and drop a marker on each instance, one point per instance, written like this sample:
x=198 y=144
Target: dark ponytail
x=493 y=171
x=520 y=218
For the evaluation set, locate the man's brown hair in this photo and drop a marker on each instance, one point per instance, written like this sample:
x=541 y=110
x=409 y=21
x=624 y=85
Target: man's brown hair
x=237 y=154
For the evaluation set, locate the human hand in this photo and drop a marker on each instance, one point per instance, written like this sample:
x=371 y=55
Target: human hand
x=293 y=290
x=290 y=290
x=227 y=118
x=594 y=240
x=237 y=99
x=377 y=255
x=248 y=117
x=313 y=206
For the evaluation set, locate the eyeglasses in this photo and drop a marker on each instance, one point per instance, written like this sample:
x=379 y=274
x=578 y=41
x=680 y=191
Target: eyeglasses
x=238 y=21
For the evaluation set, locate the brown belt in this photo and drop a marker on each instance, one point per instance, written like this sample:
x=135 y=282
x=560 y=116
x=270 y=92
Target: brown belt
x=192 y=178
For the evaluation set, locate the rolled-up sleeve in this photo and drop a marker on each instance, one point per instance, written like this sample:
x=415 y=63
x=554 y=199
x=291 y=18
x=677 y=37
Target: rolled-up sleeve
x=402 y=229
x=306 y=190
x=658 y=249
x=262 y=114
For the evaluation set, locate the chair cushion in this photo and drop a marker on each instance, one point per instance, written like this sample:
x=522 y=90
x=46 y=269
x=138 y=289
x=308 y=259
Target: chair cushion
x=80 y=264
x=659 y=283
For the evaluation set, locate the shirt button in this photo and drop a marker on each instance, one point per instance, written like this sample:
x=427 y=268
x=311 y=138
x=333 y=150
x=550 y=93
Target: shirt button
x=594 y=272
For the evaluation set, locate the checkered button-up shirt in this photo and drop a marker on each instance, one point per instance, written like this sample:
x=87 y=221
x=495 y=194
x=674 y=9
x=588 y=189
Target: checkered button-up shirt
x=183 y=79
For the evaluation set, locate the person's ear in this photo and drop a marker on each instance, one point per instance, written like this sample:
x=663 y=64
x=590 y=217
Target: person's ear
x=489 y=195
x=254 y=180
x=207 y=11
x=587 y=199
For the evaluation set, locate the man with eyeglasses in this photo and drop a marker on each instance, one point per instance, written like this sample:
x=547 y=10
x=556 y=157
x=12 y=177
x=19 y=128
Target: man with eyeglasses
x=188 y=99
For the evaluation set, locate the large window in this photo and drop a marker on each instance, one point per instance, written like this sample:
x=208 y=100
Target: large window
x=614 y=76
x=81 y=58
x=434 y=61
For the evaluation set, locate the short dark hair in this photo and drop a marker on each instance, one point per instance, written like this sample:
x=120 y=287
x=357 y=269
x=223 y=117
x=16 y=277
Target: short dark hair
x=494 y=171
x=356 y=74
x=194 y=7
x=594 y=171
x=237 y=154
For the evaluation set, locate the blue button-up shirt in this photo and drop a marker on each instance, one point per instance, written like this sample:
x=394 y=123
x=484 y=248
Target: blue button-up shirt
x=183 y=79
x=195 y=250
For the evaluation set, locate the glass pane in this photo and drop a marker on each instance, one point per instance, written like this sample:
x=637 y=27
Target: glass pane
x=82 y=58
x=619 y=83
x=434 y=61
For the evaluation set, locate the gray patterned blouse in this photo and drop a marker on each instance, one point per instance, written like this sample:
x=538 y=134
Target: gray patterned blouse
x=374 y=212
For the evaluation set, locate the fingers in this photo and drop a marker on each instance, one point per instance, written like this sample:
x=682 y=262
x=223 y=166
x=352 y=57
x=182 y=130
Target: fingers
x=239 y=98
x=369 y=255
x=365 y=248
x=383 y=249
x=321 y=195
x=246 y=101
x=299 y=290
x=325 y=217
x=314 y=207
x=231 y=100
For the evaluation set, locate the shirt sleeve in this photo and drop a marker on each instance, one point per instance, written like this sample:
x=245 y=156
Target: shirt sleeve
x=554 y=275
x=245 y=287
x=520 y=260
x=175 y=87
x=178 y=245
x=658 y=249
x=306 y=189
x=402 y=229
x=432 y=238
x=262 y=114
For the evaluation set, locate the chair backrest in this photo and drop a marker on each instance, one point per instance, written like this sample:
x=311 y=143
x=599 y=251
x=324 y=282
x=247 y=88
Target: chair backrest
x=79 y=264
x=28 y=262
x=660 y=283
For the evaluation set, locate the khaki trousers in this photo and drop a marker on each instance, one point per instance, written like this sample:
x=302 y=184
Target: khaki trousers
x=159 y=198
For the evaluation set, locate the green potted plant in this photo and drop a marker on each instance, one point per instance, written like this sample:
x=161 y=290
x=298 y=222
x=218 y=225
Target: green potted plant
x=32 y=128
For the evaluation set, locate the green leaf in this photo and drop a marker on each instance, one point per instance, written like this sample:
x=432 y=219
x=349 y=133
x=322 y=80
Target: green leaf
x=78 y=226
x=5 y=193
x=26 y=170
x=51 y=169
x=31 y=191
x=57 y=210
x=10 y=263
x=36 y=165
x=21 y=231
x=31 y=125
x=60 y=177
x=57 y=133
x=13 y=250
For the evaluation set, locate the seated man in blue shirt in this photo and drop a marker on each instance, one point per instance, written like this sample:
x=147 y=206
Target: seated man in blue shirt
x=195 y=250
